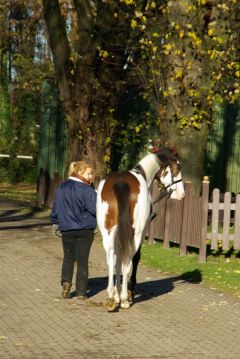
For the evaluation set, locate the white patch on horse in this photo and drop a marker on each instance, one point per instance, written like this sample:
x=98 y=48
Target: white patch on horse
x=151 y=164
x=141 y=210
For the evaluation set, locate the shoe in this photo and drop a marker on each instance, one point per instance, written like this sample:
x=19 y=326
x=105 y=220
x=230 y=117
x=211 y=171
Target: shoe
x=66 y=290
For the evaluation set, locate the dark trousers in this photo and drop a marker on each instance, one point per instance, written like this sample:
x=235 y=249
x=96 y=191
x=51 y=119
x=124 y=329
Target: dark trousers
x=76 y=246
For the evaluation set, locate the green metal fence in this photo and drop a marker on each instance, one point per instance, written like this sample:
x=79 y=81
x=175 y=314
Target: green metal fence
x=52 y=136
x=223 y=149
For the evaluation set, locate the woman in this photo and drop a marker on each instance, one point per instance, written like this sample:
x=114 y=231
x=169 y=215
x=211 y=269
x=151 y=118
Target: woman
x=74 y=210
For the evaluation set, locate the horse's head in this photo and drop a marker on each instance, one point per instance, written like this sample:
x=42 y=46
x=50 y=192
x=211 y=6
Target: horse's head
x=169 y=173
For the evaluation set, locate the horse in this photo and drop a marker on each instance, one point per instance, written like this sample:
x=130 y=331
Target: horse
x=123 y=215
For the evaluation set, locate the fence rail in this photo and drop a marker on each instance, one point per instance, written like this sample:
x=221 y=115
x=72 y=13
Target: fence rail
x=194 y=220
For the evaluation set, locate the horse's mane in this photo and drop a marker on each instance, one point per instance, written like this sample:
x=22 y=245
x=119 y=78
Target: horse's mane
x=166 y=155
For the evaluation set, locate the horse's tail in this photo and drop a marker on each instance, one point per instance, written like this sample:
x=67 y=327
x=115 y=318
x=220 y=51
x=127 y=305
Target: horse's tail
x=125 y=233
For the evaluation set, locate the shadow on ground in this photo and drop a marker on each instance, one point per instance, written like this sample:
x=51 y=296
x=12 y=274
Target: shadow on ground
x=149 y=289
x=19 y=216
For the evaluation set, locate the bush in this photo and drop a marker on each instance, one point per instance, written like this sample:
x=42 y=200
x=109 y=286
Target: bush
x=18 y=170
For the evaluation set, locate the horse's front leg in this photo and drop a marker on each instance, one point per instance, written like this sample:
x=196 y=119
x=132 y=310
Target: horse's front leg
x=133 y=279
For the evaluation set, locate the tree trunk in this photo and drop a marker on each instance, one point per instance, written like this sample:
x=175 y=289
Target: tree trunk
x=85 y=93
x=85 y=141
x=191 y=146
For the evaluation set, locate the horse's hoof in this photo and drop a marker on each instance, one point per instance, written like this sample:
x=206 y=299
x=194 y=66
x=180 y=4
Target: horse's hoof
x=130 y=296
x=111 y=305
x=125 y=304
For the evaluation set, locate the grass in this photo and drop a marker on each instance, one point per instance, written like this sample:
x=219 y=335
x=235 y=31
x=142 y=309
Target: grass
x=21 y=192
x=220 y=272
x=26 y=194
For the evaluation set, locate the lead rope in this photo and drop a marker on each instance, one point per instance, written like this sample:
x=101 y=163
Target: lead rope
x=164 y=193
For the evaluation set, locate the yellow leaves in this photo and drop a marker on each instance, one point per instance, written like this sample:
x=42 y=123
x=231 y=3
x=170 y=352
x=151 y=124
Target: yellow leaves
x=231 y=65
x=156 y=35
x=178 y=74
x=177 y=52
x=138 y=13
x=210 y=31
x=128 y=2
x=223 y=7
x=196 y=125
x=193 y=93
x=237 y=73
x=218 y=77
x=202 y=2
x=218 y=39
x=155 y=48
x=194 y=37
x=134 y=24
x=137 y=129
x=167 y=48
x=107 y=140
x=190 y=8
x=181 y=34
x=153 y=5
x=106 y=158
x=214 y=54
x=103 y=53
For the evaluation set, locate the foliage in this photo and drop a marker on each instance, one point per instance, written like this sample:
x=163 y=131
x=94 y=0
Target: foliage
x=186 y=54
x=179 y=56
x=25 y=61
x=219 y=272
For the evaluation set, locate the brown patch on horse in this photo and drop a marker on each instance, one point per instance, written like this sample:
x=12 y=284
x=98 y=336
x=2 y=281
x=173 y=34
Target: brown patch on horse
x=175 y=167
x=108 y=195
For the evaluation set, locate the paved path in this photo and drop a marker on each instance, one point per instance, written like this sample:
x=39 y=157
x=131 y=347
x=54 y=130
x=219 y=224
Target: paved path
x=170 y=319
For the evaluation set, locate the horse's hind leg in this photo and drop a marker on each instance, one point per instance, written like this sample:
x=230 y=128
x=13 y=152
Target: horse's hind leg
x=124 y=292
x=117 y=288
x=133 y=279
x=109 y=247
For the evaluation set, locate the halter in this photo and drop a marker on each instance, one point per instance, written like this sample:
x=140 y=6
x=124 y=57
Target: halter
x=165 y=193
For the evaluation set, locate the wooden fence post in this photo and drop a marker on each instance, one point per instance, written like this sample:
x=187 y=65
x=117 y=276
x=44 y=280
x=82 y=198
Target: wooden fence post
x=237 y=223
x=52 y=189
x=215 y=218
x=183 y=239
x=167 y=225
x=42 y=187
x=205 y=195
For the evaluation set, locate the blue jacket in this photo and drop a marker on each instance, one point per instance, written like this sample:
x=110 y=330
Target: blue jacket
x=74 y=206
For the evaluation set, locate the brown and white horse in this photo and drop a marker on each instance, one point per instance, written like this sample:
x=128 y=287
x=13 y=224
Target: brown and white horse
x=123 y=213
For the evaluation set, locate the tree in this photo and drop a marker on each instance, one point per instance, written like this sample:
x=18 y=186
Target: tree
x=82 y=34
x=21 y=71
x=186 y=55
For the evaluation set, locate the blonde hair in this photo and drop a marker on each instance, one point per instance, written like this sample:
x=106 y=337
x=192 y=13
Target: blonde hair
x=78 y=166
